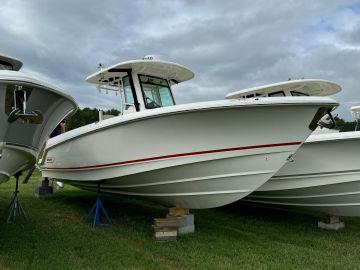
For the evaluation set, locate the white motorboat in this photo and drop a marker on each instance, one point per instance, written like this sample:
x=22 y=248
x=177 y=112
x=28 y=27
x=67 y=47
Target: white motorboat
x=324 y=177
x=29 y=111
x=198 y=155
x=324 y=174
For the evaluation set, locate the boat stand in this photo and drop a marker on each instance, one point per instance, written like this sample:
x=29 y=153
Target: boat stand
x=15 y=209
x=186 y=220
x=96 y=211
x=331 y=223
x=44 y=190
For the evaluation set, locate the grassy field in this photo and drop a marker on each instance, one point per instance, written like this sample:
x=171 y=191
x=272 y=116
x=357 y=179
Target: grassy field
x=232 y=237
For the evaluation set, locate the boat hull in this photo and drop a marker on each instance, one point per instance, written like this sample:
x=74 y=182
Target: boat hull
x=194 y=159
x=203 y=184
x=14 y=159
x=21 y=139
x=324 y=177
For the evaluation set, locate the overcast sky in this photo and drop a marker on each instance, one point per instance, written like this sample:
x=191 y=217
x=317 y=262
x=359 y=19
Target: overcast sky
x=229 y=45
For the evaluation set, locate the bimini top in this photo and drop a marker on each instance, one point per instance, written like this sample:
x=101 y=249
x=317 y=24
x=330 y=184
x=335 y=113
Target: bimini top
x=289 y=88
x=167 y=70
x=9 y=63
x=355 y=111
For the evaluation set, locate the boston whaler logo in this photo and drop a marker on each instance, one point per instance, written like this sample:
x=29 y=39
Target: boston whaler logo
x=50 y=160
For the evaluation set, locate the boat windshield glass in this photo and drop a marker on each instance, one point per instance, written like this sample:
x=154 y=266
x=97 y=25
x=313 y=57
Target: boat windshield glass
x=5 y=66
x=156 y=92
x=297 y=94
x=277 y=94
x=129 y=98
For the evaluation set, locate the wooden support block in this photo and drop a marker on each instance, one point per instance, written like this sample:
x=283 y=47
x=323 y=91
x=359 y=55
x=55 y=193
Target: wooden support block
x=331 y=223
x=332 y=219
x=163 y=229
x=165 y=233
x=178 y=212
x=165 y=236
x=167 y=229
x=167 y=222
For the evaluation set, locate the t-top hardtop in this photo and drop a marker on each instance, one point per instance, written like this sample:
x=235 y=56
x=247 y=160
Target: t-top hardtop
x=306 y=87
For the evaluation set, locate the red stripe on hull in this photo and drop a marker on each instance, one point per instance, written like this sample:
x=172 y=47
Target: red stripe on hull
x=176 y=155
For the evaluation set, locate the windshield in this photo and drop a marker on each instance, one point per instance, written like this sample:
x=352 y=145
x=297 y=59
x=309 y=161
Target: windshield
x=277 y=94
x=298 y=94
x=156 y=92
x=129 y=98
x=5 y=66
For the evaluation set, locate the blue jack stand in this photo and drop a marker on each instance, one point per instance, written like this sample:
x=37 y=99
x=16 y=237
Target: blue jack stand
x=96 y=211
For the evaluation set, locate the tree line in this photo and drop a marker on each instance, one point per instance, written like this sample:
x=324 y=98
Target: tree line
x=86 y=116
x=343 y=125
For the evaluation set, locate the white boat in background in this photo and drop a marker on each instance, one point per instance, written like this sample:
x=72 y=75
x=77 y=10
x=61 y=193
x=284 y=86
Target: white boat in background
x=355 y=111
x=198 y=155
x=29 y=111
x=323 y=175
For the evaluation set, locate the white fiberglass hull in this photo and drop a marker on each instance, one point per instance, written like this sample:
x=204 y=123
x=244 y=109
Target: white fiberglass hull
x=22 y=139
x=14 y=159
x=324 y=177
x=194 y=156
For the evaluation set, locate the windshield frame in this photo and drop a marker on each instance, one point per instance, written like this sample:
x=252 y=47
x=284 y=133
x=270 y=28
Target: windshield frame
x=143 y=93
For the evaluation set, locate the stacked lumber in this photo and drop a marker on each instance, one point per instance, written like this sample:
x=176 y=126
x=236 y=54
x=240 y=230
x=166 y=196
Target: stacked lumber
x=166 y=229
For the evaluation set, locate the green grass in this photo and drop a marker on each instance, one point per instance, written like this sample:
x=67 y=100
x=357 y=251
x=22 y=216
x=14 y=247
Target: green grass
x=231 y=237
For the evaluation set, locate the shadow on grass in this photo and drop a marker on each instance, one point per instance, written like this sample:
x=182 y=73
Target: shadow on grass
x=271 y=215
x=117 y=206
x=251 y=210
x=136 y=209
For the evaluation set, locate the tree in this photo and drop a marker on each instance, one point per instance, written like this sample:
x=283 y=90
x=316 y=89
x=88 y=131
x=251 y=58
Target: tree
x=343 y=125
x=86 y=116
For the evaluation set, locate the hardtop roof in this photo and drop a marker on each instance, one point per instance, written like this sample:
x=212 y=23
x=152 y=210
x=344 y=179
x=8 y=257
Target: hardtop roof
x=355 y=111
x=15 y=63
x=162 y=69
x=312 y=87
x=355 y=108
x=19 y=77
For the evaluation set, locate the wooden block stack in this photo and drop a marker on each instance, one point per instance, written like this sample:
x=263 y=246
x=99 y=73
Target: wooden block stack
x=178 y=212
x=166 y=229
